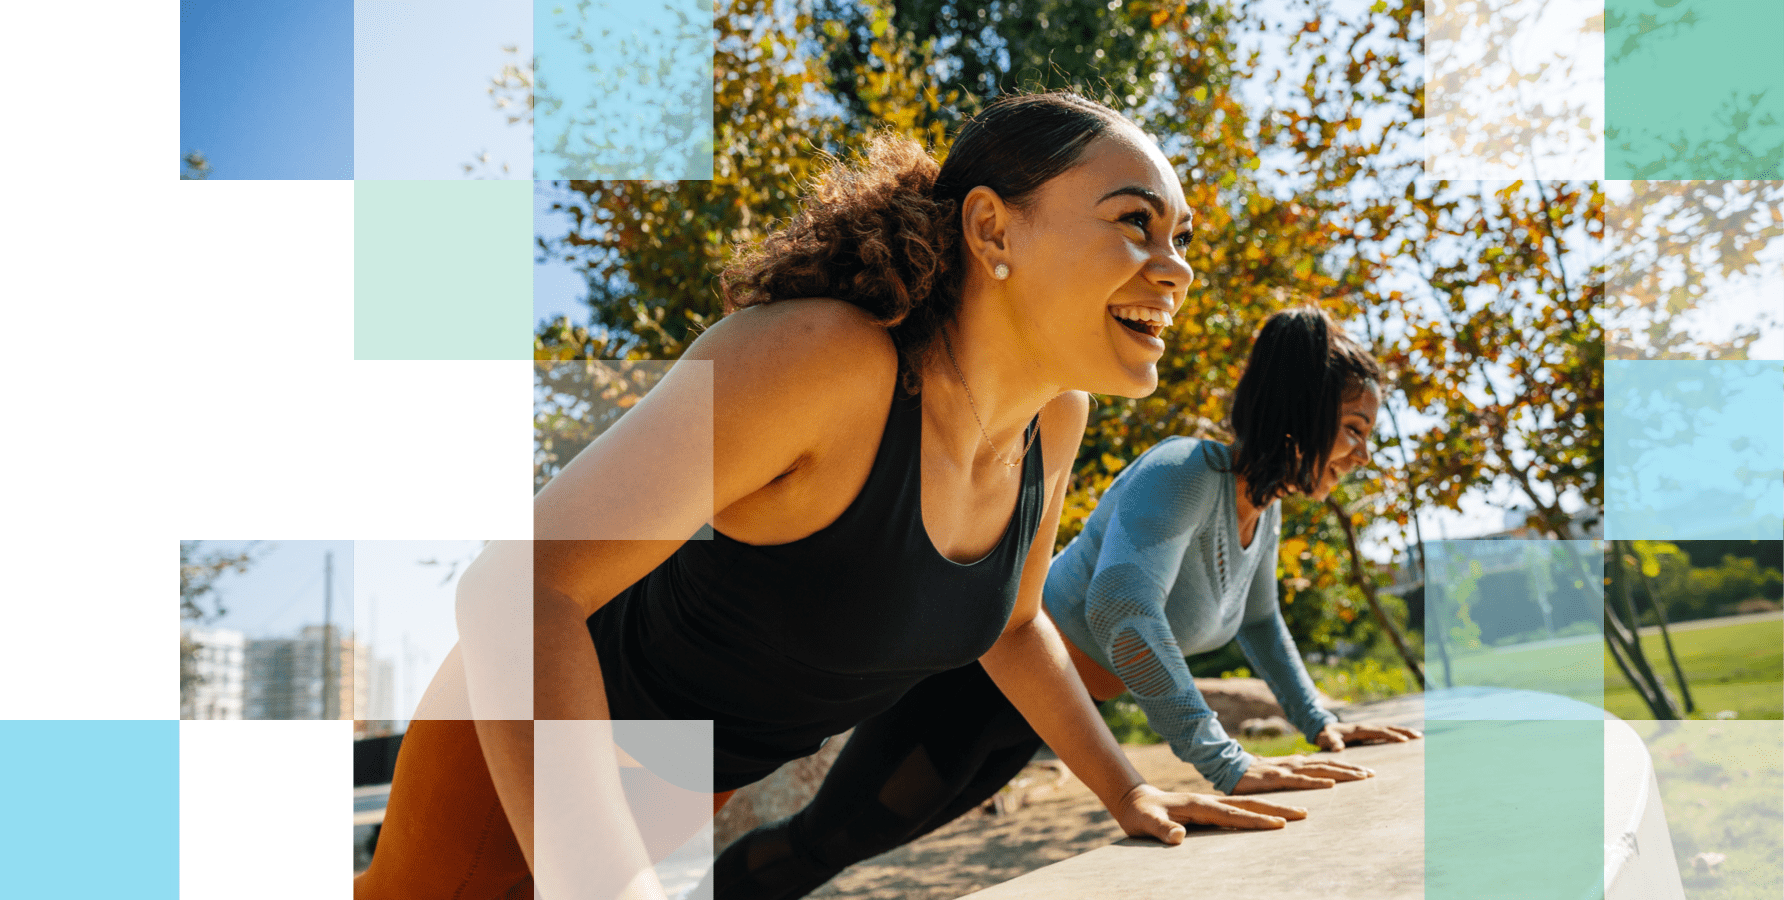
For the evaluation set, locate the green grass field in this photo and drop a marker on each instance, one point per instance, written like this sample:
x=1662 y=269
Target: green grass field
x=1721 y=785
x=1733 y=667
x=1736 y=667
x=1570 y=669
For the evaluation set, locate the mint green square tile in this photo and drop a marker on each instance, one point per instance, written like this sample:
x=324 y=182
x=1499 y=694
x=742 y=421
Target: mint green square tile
x=1514 y=809
x=442 y=269
x=1694 y=89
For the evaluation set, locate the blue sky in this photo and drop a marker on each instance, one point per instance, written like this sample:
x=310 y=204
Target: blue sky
x=281 y=592
x=266 y=90
x=392 y=89
x=558 y=288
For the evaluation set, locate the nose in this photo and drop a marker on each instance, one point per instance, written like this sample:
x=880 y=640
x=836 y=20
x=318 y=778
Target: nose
x=1359 y=454
x=1171 y=272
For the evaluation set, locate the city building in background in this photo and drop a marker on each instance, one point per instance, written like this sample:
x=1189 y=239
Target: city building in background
x=286 y=679
x=378 y=717
x=219 y=663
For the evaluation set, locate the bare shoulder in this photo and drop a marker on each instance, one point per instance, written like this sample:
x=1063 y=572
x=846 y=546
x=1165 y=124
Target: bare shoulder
x=830 y=335
x=791 y=374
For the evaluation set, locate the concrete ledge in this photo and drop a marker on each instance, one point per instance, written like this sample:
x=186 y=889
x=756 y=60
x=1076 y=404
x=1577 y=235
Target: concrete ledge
x=1363 y=838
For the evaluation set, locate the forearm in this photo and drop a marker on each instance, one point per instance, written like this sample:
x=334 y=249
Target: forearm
x=1272 y=652
x=580 y=803
x=1203 y=743
x=1030 y=665
x=513 y=639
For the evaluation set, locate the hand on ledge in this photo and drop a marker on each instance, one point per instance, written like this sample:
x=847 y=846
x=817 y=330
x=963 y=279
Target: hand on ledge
x=1147 y=811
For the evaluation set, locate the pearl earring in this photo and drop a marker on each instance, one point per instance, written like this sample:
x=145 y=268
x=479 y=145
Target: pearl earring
x=1001 y=272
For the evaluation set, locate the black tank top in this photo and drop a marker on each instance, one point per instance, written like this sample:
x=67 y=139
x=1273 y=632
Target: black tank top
x=783 y=646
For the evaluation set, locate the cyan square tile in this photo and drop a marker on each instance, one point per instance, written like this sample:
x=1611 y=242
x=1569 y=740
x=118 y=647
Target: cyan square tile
x=1694 y=90
x=1694 y=449
x=81 y=790
x=442 y=270
x=623 y=90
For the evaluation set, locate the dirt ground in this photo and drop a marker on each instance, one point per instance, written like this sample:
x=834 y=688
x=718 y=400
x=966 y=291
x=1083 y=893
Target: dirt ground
x=1056 y=820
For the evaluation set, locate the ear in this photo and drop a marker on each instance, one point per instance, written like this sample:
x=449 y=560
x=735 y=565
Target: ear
x=985 y=223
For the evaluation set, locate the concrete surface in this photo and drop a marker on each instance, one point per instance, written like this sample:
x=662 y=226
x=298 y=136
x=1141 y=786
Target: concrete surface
x=1360 y=839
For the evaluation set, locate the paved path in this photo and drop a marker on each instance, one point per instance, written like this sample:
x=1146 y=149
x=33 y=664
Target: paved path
x=1695 y=624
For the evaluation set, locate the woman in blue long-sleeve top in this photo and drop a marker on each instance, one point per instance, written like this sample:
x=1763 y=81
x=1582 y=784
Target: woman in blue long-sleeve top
x=1178 y=558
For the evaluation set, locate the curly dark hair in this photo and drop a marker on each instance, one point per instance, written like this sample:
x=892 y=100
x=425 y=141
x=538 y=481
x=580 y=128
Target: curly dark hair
x=1285 y=409
x=884 y=232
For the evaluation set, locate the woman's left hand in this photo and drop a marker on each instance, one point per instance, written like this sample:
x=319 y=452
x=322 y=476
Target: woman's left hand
x=1334 y=736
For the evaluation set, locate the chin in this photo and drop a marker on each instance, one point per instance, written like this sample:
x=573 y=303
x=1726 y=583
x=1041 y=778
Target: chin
x=1135 y=385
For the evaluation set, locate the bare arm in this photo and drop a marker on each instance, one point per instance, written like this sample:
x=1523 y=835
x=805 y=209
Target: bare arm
x=522 y=622
x=1030 y=665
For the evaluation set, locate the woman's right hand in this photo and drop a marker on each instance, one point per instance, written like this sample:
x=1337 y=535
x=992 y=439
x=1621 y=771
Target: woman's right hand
x=1296 y=773
x=1147 y=811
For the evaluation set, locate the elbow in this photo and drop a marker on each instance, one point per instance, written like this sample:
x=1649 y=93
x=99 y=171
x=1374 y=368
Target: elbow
x=493 y=588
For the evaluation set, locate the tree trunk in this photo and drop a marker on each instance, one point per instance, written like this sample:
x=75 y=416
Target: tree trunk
x=1358 y=570
x=1666 y=636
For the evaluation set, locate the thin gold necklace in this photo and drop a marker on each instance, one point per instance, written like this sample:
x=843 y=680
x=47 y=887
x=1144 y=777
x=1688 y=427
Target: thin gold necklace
x=974 y=407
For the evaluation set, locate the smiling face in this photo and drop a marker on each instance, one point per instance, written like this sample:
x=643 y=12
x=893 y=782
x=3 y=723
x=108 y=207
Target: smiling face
x=1096 y=266
x=1356 y=420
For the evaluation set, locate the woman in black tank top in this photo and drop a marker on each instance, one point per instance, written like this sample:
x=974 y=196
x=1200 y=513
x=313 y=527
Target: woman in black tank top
x=887 y=424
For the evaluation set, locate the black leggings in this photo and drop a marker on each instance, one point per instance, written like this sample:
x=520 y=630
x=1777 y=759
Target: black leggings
x=945 y=748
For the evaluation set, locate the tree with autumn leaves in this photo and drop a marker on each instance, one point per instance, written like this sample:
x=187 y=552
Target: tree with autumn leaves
x=1298 y=143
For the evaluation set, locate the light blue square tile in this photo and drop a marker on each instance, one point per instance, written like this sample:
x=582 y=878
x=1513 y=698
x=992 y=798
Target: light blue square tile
x=623 y=90
x=1694 y=450
x=92 y=809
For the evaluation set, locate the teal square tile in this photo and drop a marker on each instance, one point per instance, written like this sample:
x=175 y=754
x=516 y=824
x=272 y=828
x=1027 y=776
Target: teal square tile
x=1514 y=809
x=1694 y=89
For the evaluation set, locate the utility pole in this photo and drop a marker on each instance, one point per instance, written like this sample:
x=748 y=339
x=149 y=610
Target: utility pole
x=330 y=702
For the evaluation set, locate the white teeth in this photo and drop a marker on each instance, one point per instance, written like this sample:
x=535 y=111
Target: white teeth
x=1143 y=314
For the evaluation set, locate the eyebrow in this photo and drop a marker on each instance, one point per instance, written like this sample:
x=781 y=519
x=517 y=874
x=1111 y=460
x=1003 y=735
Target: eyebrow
x=1150 y=196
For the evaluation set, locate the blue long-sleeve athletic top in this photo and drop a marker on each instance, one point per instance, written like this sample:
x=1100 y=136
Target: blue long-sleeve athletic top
x=1158 y=574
